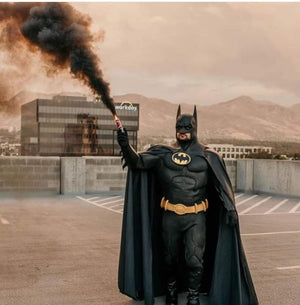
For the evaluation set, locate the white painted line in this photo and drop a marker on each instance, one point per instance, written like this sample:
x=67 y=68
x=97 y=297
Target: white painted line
x=287 y=268
x=239 y=195
x=4 y=221
x=109 y=202
x=106 y=198
x=92 y=198
x=245 y=200
x=277 y=206
x=262 y=214
x=91 y=202
x=117 y=205
x=255 y=205
x=98 y=205
x=270 y=233
x=116 y=211
x=294 y=209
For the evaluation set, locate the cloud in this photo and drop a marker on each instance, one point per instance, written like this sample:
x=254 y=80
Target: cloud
x=251 y=43
x=199 y=52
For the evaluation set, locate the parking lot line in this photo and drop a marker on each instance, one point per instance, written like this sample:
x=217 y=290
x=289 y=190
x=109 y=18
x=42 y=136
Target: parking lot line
x=239 y=195
x=86 y=200
x=114 y=210
x=270 y=233
x=100 y=205
x=277 y=206
x=104 y=199
x=294 y=209
x=4 y=221
x=245 y=200
x=93 y=198
x=263 y=214
x=116 y=205
x=287 y=268
x=255 y=205
x=108 y=202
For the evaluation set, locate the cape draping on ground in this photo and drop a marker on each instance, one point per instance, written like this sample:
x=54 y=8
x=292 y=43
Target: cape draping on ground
x=226 y=276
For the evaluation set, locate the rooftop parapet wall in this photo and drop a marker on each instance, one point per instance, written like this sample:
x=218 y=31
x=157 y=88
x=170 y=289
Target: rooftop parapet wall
x=65 y=175
x=68 y=175
x=87 y=175
x=33 y=174
x=269 y=176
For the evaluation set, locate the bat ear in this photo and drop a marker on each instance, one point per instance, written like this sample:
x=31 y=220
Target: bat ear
x=178 y=111
x=195 y=114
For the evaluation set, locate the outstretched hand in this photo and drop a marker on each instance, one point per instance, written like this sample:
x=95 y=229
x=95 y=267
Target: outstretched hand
x=231 y=218
x=122 y=138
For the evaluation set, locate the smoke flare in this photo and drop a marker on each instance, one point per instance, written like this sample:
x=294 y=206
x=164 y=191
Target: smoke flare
x=62 y=34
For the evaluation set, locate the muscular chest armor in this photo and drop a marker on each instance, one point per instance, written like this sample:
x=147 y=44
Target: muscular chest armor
x=183 y=183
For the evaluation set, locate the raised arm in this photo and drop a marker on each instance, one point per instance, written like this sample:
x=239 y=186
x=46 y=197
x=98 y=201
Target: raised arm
x=133 y=159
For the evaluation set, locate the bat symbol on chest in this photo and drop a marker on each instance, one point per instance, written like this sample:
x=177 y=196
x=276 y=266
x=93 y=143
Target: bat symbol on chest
x=181 y=158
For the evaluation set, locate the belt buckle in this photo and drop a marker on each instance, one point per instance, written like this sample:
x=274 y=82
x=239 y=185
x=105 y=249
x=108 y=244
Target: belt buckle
x=180 y=209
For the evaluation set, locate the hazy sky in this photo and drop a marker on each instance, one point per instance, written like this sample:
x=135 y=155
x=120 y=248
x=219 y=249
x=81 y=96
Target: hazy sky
x=199 y=53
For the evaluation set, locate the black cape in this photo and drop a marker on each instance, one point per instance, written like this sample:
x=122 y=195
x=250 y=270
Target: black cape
x=227 y=279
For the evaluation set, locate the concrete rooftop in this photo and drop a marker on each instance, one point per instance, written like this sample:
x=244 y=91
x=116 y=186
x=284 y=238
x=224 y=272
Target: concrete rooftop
x=63 y=250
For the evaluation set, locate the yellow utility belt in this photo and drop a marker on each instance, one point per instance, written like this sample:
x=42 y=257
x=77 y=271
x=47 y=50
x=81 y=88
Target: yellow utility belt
x=182 y=209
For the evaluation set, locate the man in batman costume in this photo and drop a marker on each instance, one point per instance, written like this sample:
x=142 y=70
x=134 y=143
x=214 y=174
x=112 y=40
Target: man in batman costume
x=180 y=226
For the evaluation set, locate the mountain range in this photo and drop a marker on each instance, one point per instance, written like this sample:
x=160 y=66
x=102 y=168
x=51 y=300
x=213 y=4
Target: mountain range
x=241 y=118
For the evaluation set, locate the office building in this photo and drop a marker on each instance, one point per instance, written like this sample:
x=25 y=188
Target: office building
x=74 y=126
x=230 y=151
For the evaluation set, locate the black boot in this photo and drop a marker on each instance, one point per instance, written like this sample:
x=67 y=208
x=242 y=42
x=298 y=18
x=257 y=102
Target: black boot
x=171 y=296
x=194 y=282
x=193 y=297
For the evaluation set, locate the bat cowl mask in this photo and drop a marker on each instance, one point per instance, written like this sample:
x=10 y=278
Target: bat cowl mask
x=186 y=128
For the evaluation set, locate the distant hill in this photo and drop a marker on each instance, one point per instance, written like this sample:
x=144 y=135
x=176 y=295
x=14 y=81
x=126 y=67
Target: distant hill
x=10 y=111
x=296 y=109
x=241 y=118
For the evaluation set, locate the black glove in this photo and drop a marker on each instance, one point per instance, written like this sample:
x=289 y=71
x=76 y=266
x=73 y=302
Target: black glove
x=231 y=218
x=122 y=138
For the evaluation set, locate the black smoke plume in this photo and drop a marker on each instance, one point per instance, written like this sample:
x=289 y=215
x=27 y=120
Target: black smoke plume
x=63 y=36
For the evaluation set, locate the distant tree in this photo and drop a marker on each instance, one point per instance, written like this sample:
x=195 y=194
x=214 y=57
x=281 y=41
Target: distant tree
x=259 y=155
x=280 y=157
x=296 y=156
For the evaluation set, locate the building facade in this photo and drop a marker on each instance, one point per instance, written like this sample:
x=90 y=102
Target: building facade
x=230 y=151
x=73 y=126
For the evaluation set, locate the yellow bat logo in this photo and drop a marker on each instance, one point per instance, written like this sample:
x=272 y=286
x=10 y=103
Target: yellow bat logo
x=181 y=158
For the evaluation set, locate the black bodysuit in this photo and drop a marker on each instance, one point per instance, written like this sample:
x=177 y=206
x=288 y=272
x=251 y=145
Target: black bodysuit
x=186 y=184
x=183 y=183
